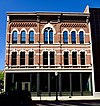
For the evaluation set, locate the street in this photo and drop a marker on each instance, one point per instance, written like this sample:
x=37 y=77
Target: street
x=67 y=103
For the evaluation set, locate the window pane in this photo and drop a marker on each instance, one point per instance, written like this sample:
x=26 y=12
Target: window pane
x=45 y=58
x=31 y=58
x=82 y=55
x=23 y=37
x=65 y=37
x=81 y=36
x=31 y=37
x=22 y=58
x=14 y=58
x=51 y=58
x=74 y=58
x=50 y=36
x=14 y=37
x=66 y=58
x=73 y=36
x=45 y=36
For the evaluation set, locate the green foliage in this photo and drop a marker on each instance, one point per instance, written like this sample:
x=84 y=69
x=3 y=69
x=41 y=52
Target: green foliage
x=1 y=75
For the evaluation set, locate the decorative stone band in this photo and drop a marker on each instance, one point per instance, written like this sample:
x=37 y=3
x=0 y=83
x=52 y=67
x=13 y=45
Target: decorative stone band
x=21 y=24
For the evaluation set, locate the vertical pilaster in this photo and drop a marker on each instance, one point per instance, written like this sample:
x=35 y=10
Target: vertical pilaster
x=81 y=88
x=71 y=94
x=49 y=84
x=30 y=82
x=38 y=84
x=27 y=38
x=26 y=59
x=60 y=85
x=18 y=59
x=19 y=39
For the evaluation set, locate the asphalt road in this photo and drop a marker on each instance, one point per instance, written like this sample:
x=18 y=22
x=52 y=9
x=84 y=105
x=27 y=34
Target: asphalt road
x=67 y=103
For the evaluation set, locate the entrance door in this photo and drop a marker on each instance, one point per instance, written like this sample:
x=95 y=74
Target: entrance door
x=26 y=86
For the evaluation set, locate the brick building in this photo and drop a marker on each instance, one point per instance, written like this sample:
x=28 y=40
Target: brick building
x=49 y=53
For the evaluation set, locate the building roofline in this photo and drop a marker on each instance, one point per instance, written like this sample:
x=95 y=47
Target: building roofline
x=49 y=13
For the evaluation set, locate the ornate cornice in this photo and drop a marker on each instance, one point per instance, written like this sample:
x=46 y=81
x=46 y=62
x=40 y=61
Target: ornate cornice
x=23 y=24
x=73 y=25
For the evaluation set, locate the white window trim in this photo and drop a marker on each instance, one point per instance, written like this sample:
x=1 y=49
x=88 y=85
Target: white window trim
x=76 y=34
x=83 y=35
x=65 y=29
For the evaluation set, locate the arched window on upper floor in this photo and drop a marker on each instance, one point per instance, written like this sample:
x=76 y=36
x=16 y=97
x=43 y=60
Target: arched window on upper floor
x=23 y=37
x=14 y=37
x=65 y=37
x=31 y=37
x=81 y=37
x=48 y=35
x=73 y=36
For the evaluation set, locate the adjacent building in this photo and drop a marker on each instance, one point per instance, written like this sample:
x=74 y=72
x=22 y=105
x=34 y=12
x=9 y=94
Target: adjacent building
x=95 y=33
x=49 y=54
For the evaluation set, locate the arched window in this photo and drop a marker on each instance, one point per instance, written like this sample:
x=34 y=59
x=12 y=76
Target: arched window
x=14 y=58
x=65 y=37
x=66 y=60
x=81 y=37
x=31 y=37
x=31 y=58
x=48 y=35
x=22 y=58
x=82 y=58
x=48 y=59
x=73 y=36
x=74 y=58
x=23 y=37
x=14 y=37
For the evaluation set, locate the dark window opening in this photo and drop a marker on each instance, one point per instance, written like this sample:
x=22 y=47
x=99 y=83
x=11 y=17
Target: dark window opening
x=45 y=58
x=31 y=58
x=74 y=58
x=22 y=58
x=51 y=58
x=82 y=55
x=66 y=62
x=14 y=58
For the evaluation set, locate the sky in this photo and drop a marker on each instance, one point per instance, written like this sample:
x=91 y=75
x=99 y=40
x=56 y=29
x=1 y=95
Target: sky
x=37 y=5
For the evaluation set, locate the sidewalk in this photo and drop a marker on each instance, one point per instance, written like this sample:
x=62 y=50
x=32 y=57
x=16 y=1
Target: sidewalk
x=64 y=98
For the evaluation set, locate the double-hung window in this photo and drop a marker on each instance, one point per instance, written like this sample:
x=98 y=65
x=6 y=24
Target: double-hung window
x=14 y=37
x=22 y=58
x=66 y=62
x=82 y=56
x=73 y=36
x=14 y=58
x=74 y=58
x=23 y=37
x=31 y=37
x=81 y=37
x=31 y=58
x=65 y=37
